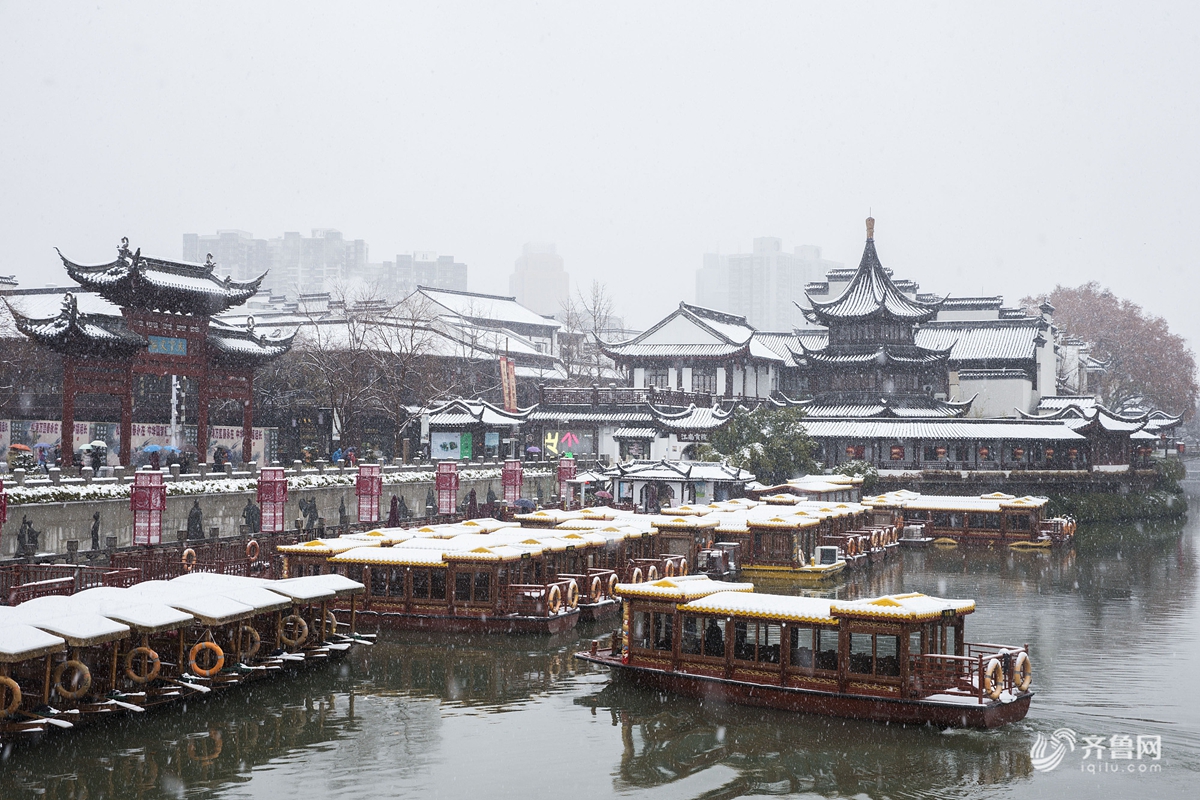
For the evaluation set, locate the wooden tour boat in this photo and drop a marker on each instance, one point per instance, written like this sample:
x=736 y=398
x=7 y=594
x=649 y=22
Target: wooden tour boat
x=990 y=519
x=899 y=658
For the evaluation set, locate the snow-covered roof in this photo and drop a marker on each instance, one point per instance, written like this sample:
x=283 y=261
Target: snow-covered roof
x=814 y=610
x=19 y=641
x=325 y=547
x=680 y=589
x=913 y=607
x=471 y=305
x=393 y=556
x=994 y=502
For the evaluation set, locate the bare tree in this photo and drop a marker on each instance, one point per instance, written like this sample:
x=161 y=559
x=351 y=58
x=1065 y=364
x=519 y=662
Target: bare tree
x=588 y=318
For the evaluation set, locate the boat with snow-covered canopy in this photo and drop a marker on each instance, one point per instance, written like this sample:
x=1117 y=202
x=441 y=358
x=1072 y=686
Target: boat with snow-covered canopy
x=898 y=658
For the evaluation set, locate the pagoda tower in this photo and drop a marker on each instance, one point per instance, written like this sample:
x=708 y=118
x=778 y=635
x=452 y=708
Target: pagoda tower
x=871 y=355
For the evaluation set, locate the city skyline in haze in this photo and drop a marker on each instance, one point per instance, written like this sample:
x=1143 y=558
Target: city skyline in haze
x=1002 y=150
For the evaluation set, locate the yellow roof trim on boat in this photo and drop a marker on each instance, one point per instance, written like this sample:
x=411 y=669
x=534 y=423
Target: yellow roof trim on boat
x=813 y=610
x=680 y=588
x=911 y=607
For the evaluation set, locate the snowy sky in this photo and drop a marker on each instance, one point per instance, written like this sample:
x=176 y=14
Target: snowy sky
x=1002 y=150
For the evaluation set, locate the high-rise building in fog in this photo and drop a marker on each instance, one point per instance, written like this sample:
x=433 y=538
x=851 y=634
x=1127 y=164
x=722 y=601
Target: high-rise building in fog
x=400 y=278
x=539 y=281
x=294 y=264
x=761 y=286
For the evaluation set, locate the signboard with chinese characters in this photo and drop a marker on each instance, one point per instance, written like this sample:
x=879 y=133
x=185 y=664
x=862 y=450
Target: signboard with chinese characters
x=576 y=442
x=166 y=345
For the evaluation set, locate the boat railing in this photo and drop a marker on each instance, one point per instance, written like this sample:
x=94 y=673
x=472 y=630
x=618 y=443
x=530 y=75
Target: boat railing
x=587 y=582
x=533 y=599
x=21 y=582
x=941 y=673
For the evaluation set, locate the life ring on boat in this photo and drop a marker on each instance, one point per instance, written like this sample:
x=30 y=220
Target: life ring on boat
x=681 y=568
x=993 y=679
x=874 y=539
x=636 y=577
x=612 y=584
x=652 y=573
x=252 y=550
x=252 y=651
x=595 y=588
x=81 y=679
x=572 y=594
x=298 y=625
x=213 y=736
x=153 y=665
x=669 y=569
x=188 y=559
x=554 y=599
x=14 y=689
x=331 y=623
x=1023 y=671
x=851 y=546
x=194 y=654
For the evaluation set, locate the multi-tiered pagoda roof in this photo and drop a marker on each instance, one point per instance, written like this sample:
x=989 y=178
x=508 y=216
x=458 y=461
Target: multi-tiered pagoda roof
x=73 y=332
x=137 y=281
x=871 y=295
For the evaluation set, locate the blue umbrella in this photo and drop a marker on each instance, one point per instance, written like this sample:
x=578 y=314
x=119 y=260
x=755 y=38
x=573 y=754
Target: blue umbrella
x=43 y=445
x=151 y=448
x=524 y=503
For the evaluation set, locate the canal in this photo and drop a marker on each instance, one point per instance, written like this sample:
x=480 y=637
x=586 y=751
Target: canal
x=1112 y=626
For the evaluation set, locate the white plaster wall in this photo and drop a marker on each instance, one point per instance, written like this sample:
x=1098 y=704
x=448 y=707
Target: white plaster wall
x=639 y=377
x=998 y=397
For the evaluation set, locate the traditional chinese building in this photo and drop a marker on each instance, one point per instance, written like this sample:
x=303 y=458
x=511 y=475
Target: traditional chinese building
x=871 y=357
x=158 y=321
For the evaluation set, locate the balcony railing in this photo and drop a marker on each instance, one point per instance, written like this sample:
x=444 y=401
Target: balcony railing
x=621 y=396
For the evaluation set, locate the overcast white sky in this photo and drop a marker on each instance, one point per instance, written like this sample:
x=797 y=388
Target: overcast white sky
x=1002 y=150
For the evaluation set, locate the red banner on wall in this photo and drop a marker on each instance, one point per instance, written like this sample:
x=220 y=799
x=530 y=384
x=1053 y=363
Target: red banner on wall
x=508 y=383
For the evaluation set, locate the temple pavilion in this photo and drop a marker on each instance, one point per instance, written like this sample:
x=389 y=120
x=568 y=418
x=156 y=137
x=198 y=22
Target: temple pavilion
x=156 y=318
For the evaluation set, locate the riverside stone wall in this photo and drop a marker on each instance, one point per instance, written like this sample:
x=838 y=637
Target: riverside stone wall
x=59 y=522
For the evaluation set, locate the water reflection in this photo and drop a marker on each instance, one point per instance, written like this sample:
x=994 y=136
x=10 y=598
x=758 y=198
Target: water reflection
x=777 y=753
x=1112 y=627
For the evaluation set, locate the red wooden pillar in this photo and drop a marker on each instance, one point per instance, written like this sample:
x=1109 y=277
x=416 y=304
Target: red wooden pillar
x=67 y=436
x=127 y=419
x=247 y=419
x=202 y=401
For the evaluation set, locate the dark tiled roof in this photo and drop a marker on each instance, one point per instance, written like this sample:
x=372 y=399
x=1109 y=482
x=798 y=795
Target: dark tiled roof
x=239 y=346
x=136 y=281
x=990 y=340
x=76 y=334
x=871 y=293
x=884 y=354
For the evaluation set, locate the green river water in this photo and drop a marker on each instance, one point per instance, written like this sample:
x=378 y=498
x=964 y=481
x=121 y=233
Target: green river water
x=1112 y=627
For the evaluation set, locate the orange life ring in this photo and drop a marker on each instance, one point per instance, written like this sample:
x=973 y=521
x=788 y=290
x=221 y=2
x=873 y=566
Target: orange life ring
x=1023 y=671
x=252 y=550
x=851 y=546
x=652 y=573
x=612 y=584
x=189 y=559
x=154 y=665
x=300 y=627
x=554 y=599
x=669 y=569
x=331 y=623
x=194 y=653
x=572 y=594
x=993 y=679
x=681 y=568
x=595 y=588
x=636 y=577
x=250 y=631
x=874 y=539
x=82 y=679
x=14 y=689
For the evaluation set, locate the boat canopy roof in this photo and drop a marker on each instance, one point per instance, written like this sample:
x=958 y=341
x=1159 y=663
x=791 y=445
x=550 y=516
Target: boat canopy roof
x=763 y=606
x=384 y=537
x=340 y=585
x=690 y=522
x=995 y=502
x=19 y=641
x=78 y=628
x=140 y=614
x=912 y=607
x=394 y=556
x=680 y=589
x=325 y=547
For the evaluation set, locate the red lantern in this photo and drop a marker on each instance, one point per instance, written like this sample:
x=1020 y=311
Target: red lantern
x=511 y=478
x=984 y=452
x=446 y=482
x=849 y=451
x=1073 y=453
x=941 y=452
x=1018 y=453
x=897 y=452
x=272 y=495
x=1049 y=452
x=566 y=472
x=368 y=487
x=147 y=499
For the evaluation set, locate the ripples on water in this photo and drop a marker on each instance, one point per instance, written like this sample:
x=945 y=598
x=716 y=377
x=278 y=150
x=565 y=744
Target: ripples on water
x=1112 y=628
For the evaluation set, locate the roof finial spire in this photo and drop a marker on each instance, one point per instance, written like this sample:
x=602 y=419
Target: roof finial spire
x=870 y=227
